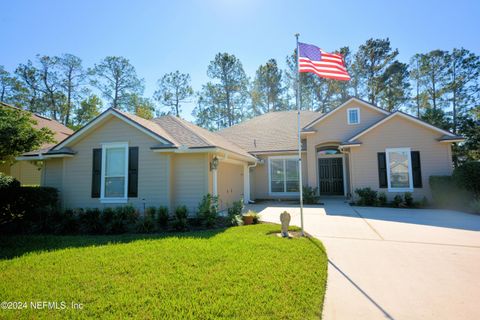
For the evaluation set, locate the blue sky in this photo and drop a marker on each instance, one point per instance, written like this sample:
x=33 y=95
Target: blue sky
x=163 y=36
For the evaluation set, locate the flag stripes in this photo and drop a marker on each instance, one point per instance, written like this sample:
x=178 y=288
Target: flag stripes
x=326 y=65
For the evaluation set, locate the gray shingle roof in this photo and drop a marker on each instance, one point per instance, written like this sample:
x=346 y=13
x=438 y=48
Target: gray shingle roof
x=273 y=131
x=192 y=136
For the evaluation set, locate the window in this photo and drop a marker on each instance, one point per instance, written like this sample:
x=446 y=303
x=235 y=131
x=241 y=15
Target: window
x=328 y=152
x=283 y=174
x=353 y=116
x=114 y=172
x=399 y=169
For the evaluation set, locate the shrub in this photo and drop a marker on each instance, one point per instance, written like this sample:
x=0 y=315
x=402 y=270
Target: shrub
x=408 y=199
x=150 y=212
x=146 y=225
x=121 y=219
x=475 y=205
x=162 y=216
x=25 y=209
x=65 y=222
x=447 y=194
x=8 y=182
x=89 y=221
x=107 y=217
x=207 y=210
x=397 y=201
x=235 y=213
x=180 y=221
x=467 y=177
x=368 y=197
x=310 y=195
x=424 y=202
x=255 y=215
x=382 y=199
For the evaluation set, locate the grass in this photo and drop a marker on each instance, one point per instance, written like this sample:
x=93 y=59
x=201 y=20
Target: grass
x=239 y=272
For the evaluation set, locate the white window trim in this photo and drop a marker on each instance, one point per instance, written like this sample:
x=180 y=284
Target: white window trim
x=410 y=175
x=270 y=192
x=358 y=116
x=106 y=146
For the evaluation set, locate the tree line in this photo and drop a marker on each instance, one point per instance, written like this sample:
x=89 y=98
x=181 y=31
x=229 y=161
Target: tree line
x=441 y=87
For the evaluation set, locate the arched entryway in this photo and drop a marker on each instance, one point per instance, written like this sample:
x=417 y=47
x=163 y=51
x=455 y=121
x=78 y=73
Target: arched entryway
x=331 y=170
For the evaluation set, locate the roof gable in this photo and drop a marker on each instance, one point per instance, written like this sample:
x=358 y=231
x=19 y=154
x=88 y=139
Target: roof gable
x=408 y=117
x=143 y=125
x=343 y=105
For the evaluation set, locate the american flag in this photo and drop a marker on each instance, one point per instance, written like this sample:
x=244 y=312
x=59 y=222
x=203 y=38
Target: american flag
x=323 y=64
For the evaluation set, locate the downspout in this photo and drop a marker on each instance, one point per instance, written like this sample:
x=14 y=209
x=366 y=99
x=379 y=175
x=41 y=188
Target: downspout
x=248 y=169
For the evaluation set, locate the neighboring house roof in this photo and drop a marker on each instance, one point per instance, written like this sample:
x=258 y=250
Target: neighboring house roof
x=447 y=136
x=308 y=126
x=60 y=132
x=270 y=132
x=192 y=136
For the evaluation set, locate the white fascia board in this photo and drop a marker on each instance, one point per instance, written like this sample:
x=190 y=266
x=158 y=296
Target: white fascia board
x=43 y=157
x=206 y=150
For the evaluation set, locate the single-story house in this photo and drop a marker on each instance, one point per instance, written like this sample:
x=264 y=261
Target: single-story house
x=120 y=158
x=30 y=172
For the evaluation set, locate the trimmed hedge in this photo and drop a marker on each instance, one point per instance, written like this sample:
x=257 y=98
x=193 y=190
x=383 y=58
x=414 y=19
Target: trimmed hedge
x=447 y=194
x=467 y=177
x=24 y=209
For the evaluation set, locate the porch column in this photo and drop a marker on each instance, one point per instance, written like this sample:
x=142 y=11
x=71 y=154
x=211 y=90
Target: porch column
x=246 y=184
x=215 y=183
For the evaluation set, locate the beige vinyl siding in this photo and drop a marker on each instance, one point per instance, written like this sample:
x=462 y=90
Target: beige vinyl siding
x=153 y=184
x=24 y=171
x=334 y=130
x=398 y=132
x=261 y=181
x=230 y=184
x=52 y=175
x=5 y=168
x=190 y=180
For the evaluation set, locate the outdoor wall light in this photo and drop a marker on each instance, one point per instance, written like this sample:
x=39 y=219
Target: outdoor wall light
x=214 y=163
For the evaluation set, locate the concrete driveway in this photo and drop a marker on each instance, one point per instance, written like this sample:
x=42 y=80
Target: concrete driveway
x=389 y=263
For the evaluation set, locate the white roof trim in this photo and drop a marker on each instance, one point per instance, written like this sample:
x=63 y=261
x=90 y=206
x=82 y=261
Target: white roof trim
x=277 y=152
x=102 y=116
x=363 y=103
x=206 y=150
x=452 y=140
x=352 y=145
x=406 y=116
x=42 y=156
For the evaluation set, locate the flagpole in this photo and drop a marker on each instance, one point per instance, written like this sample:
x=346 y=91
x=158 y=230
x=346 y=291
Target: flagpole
x=299 y=140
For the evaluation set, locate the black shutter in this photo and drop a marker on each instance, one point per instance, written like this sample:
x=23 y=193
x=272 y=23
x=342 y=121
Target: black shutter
x=96 y=172
x=133 y=172
x=416 y=169
x=382 y=170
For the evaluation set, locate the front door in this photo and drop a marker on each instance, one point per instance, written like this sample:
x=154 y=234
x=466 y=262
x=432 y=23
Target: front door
x=330 y=174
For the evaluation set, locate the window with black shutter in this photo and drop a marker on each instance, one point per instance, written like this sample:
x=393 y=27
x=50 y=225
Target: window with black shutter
x=382 y=170
x=133 y=172
x=416 y=169
x=96 y=172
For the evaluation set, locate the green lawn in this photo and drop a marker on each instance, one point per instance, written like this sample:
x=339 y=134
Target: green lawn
x=239 y=272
